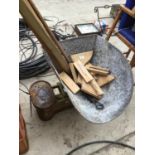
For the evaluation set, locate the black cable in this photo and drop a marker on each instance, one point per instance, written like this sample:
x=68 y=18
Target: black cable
x=34 y=49
x=99 y=142
x=24 y=87
x=23 y=91
x=32 y=65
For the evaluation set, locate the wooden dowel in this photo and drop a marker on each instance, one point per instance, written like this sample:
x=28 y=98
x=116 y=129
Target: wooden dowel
x=98 y=71
x=131 y=47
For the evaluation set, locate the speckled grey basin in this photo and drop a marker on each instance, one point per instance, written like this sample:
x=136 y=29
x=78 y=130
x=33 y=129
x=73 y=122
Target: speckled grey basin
x=117 y=94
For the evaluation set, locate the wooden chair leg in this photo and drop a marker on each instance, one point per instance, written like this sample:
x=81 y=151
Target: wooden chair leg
x=132 y=63
x=114 y=24
x=127 y=53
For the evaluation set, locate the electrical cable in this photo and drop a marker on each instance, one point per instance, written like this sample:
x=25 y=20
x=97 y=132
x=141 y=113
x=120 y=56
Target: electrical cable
x=100 y=142
x=24 y=87
x=31 y=62
x=23 y=91
x=32 y=65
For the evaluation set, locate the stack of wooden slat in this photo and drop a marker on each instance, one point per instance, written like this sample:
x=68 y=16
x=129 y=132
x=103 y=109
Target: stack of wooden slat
x=86 y=77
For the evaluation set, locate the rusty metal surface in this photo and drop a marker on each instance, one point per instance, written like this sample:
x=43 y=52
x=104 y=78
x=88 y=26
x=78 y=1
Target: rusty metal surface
x=117 y=94
x=42 y=95
x=46 y=102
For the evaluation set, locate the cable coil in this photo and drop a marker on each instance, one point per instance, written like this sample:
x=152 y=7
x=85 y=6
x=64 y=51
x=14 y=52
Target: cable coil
x=31 y=66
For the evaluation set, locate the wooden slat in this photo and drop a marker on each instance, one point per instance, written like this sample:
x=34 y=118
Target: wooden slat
x=122 y=38
x=84 y=57
x=69 y=82
x=39 y=29
x=83 y=71
x=73 y=71
x=98 y=71
x=114 y=24
x=79 y=80
x=103 y=80
x=88 y=77
x=89 y=65
x=91 y=88
x=96 y=87
x=132 y=62
x=88 y=89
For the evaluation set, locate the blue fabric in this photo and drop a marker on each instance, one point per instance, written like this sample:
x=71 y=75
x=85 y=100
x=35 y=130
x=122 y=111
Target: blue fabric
x=127 y=21
x=129 y=35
